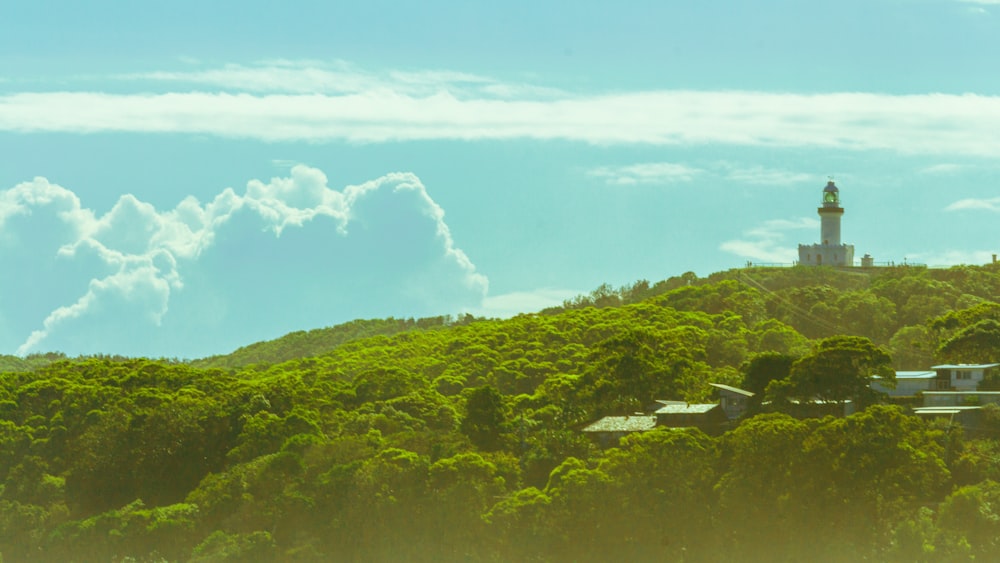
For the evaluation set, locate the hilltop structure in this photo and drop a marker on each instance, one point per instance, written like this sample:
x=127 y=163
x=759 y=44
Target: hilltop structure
x=830 y=251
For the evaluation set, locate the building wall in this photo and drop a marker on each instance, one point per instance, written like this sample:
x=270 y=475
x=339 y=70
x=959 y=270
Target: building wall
x=826 y=255
x=966 y=379
x=905 y=387
x=830 y=226
x=733 y=404
x=961 y=398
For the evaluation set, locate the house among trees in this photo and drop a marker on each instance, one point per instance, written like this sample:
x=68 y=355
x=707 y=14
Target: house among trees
x=965 y=416
x=965 y=377
x=934 y=399
x=956 y=392
x=964 y=408
x=942 y=378
x=610 y=429
x=909 y=383
x=708 y=417
x=734 y=401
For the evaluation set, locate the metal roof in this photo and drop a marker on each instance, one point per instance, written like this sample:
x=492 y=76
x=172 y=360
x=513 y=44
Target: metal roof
x=915 y=375
x=912 y=375
x=961 y=392
x=946 y=410
x=623 y=424
x=743 y=392
x=965 y=366
x=932 y=410
x=687 y=409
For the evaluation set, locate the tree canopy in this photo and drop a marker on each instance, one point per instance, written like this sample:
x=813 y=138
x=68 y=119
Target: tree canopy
x=459 y=438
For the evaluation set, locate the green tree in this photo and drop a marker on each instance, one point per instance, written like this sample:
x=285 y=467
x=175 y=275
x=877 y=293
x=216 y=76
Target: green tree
x=971 y=516
x=913 y=347
x=485 y=420
x=759 y=490
x=668 y=472
x=760 y=370
x=867 y=472
x=862 y=313
x=840 y=369
x=973 y=344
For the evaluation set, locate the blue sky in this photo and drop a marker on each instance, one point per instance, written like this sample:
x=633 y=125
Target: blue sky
x=179 y=179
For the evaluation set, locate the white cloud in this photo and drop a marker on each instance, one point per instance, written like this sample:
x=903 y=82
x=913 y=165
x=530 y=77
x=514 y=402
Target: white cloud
x=765 y=243
x=988 y=204
x=144 y=253
x=977 y=6
x=514 y=303
x=951 y=257
x=645 y=173
x=669 y=172
x=767 y=176
x=338 y=77
x=285 y=100
x=142 y=286
x=943 y=168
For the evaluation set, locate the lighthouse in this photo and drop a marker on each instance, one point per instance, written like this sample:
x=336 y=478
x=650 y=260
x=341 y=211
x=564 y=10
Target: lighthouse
x=830 y=251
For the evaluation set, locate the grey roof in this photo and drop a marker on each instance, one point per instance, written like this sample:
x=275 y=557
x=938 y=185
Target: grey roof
x=915 y=375
x=912 y=375
x=965 y=366
x=946 y=410
x=962 y=393
x=743 y=392
x=623 y=424
x=926 y=411
x=818 y=402
x=687 y=409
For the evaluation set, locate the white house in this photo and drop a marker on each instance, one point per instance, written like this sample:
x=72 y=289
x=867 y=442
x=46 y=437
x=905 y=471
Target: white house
x=964 y=377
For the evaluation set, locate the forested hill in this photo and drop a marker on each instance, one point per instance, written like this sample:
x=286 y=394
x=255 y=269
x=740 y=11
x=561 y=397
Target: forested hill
x=459 y=439
x=892 y=306
x=303 y=344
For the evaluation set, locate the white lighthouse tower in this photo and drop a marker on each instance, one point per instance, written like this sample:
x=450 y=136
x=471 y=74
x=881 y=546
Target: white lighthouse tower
x=830 y=251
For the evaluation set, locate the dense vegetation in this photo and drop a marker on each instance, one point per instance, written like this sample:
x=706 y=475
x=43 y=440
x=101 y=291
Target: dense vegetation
x=458 y=439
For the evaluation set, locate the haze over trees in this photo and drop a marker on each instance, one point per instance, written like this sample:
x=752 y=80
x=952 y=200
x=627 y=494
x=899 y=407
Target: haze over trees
x=458 y=439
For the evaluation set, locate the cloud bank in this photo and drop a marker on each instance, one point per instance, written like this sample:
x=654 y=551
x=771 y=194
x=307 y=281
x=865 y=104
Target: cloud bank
x=296 y=101
x=286 y=254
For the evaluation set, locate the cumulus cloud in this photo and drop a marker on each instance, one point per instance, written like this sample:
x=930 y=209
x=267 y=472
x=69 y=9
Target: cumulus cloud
x=138 y=261
x=288 y=100
x=766 y=242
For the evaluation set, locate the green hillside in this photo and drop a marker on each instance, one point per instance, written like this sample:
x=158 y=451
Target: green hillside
x=307 y=343
x=443 y=439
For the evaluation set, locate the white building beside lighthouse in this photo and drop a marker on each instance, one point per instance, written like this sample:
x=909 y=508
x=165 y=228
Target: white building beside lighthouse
x=830 y=251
